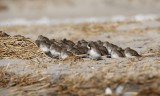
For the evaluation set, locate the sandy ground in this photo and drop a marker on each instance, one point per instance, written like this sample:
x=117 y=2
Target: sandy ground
x=26 y=71
x=34 y=73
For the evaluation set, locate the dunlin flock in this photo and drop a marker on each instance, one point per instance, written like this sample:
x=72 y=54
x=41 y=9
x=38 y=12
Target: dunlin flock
x=62 y=49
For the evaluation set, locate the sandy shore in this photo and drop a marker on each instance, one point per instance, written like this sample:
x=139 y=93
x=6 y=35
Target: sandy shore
x=39 y=74
x=26 y=71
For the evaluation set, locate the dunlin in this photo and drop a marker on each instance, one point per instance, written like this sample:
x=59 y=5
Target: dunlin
x=93 y=51
x=45 y=47
x=65 y=54
x=131 y=53
x=68 y=42
x=116 y=53
x=55 y=50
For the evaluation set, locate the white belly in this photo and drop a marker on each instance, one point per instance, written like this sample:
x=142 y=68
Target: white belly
x=54 y=52
x=93 y=54
x=109 y=50
x=44 y=48
x=129 y=55
x=114 y=56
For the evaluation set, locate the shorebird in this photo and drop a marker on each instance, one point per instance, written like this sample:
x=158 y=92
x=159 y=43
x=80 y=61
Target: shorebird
x=82 y=43
x=41 y=39
x=45 y=47
x=99 y=42
x=107 y=45
x=93 y=51
x=117 y=53
x=52 y=40
x=103 y=50
x=68 y=42
x=55 y=50
x=74 y=50
x=131 y=53
x=110 y=47
x=83 y=49
x=58 y=43
x=65 y=54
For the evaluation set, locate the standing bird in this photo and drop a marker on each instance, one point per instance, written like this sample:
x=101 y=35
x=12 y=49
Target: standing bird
x=99 y=42
x=42 y=39
x=44 y=44
x=117 y=52
x=82 y=43
x=103 y=50
x=82 y=49
x=45 y=47
x=93 y=51
x=110 y=46
x=55 y=50
x=130 y=53
x=68 y=42
x=65 y=54
x=74 y=50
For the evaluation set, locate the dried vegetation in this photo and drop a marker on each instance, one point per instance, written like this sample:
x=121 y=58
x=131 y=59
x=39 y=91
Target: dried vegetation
x=137 y=77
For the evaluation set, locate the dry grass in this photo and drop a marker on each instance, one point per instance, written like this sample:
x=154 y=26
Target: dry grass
x=8 y=79
x=86 y=77
x=18 y=47
x=70 y=31
x=95 y=85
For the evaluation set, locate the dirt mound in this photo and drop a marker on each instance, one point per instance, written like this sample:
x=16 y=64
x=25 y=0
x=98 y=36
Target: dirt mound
x=18 y=47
